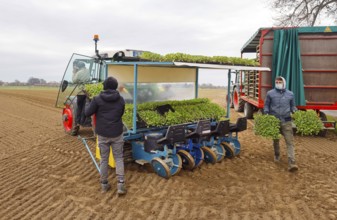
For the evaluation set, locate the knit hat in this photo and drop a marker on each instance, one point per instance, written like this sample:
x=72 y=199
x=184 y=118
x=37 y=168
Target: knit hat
x=110 y=83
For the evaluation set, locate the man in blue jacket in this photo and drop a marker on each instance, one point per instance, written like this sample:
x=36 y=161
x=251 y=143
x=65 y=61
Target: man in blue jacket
x=280 y=102
x=109 y=108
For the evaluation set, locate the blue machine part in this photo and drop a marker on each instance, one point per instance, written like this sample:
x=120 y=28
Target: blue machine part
x=216 y=147
x=138 y=152
x=160 y=168
x=232 y=147
x=194 y=149
x=198 y=156
x=165 y=162
x=220 y=152
x=209 y=155
x=188 y=162
x=174 y=163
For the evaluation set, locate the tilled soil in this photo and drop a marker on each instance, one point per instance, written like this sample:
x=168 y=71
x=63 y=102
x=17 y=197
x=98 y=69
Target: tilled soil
x=46 y=174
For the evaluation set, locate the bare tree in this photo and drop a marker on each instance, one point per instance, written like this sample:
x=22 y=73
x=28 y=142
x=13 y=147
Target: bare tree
x=303 y=12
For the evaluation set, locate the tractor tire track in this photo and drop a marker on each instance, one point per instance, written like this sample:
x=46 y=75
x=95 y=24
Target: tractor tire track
x=46 y=174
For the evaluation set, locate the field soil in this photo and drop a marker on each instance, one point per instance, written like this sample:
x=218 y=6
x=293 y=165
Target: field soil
x=46 y=174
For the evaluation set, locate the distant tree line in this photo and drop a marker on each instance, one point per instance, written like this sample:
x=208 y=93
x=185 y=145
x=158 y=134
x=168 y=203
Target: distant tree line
x=210 y=86
x=32 y=81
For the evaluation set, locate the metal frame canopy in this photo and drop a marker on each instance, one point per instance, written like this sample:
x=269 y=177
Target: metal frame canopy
x=195 y=66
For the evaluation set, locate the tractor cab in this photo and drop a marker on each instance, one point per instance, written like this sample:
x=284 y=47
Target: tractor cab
x=81 y=70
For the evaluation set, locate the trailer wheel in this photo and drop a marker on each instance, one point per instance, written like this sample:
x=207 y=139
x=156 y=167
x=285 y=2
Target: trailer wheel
x=323 y=117
x=187 y=159
x=68 y=120
x=238 y=102
x=160 y=168
x=248 y=110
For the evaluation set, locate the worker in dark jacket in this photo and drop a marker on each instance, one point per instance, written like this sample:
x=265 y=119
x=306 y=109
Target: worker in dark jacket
x=109 y=109
x=280 y=102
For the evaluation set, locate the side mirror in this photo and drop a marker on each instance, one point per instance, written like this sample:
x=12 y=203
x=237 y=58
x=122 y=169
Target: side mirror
x=64 y=85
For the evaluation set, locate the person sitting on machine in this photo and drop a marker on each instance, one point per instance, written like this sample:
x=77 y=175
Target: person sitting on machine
x=80 y=73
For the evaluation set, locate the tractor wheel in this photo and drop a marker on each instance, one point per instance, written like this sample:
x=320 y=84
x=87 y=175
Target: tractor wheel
x=248 y=110
x=210 y=156
x=160 y=168
x=187 y=160
x=238 y=102
x=68 y=120
x=177 y=164
x=323 y=117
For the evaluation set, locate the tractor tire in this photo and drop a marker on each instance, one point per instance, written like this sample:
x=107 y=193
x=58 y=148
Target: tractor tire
x=68 y=119
x=323 y=117
x=238 y=102
x=248 y=110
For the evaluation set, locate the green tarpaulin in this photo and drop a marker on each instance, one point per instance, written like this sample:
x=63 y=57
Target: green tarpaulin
x=287 y=62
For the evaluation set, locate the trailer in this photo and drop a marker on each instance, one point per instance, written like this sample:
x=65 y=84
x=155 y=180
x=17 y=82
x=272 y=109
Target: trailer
x=305 y=56
x=168 y=148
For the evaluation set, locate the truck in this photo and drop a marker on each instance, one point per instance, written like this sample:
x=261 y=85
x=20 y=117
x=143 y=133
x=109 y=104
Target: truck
x=305 y=56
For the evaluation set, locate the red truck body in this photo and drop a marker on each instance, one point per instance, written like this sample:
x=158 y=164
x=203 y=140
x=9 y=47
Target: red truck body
x=318 y=58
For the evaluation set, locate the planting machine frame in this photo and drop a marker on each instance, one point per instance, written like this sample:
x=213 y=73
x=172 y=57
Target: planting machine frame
x=166 y=148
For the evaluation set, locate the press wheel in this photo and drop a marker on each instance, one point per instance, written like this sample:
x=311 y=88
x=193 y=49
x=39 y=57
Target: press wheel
x=230 y=151
x=210 y=156
x=177 y=164
x=187 y=160
x=198 y=156
x=160 y=168
x=220 y=152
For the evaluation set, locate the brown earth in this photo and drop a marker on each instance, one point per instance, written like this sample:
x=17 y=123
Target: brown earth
x=46 y=174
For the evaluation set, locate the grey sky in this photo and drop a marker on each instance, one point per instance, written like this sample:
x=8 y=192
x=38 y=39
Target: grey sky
x=38 y=37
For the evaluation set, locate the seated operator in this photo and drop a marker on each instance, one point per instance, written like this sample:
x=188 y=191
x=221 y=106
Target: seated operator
x=80 y=73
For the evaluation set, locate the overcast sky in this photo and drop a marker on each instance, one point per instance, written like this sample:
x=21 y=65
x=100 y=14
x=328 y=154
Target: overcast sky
x=38 y=37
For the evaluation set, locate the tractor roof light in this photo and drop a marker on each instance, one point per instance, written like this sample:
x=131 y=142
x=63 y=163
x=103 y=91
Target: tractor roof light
x=96 y=37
